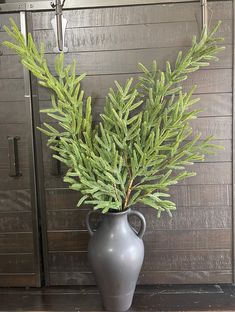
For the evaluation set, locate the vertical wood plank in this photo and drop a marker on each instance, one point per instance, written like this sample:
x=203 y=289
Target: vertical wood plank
x=233 y=152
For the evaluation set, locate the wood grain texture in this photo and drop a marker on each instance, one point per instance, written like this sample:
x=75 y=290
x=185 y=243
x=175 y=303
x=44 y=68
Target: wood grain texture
x=10 y=67
x=223 y=155
x=188 y=218
x=16 y=243
x=5 y=19
x=110 y=62
x=146 y=278
x=184 y=218
x=210 y=173
x=18 y=251
x=4 y=50
x=130 y=36
x=15 y=222
x=207 y=239
x=147 y=298
x=183 y=277
x=233 y=153
x=202 y=195
x=71 y=278
x=126 y=61
x=14 y=183
x=18 y=280
x=194 y=260
x=222 y=158
x=134 y=15
x=15 y=200
x=16 y=263
x=219 y=127
x=6 y=87
x=207 y=81
x=13 y=112
x=195 y=245
x=183 y=195
x=22 y=154
x=207 y=173
x=154 y=240
x=184 y=261
x=213 y=105
x=20 y=130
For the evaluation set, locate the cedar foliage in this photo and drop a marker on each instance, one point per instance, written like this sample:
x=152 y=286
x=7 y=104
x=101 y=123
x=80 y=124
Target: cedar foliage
x=144 y=139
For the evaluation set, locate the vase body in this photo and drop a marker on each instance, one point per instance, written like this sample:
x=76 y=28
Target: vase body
x=116 y=253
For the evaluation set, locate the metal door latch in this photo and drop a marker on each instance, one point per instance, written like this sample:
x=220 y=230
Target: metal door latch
x=59 y=25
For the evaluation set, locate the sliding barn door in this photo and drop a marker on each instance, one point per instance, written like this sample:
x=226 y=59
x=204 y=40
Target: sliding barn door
x=195 y=245
x=19 y=254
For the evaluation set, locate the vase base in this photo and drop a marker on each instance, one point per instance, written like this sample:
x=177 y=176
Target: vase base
x=121 y=303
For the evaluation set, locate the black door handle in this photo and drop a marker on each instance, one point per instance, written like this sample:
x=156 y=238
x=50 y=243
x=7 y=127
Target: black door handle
x=14 y=170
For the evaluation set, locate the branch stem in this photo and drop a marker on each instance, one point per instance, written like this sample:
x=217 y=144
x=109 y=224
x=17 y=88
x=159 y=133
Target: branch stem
x=128 y=194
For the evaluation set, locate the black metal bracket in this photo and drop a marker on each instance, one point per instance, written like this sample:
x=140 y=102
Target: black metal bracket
x=14 y=170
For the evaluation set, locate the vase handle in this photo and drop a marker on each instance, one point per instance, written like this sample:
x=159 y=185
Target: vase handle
x=141 y=232
x=91 y=232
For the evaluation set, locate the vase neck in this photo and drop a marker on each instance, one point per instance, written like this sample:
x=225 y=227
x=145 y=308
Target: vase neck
x=116 y=220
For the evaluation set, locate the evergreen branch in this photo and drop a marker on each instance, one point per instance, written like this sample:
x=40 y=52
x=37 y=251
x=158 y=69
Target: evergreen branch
x=144 y=140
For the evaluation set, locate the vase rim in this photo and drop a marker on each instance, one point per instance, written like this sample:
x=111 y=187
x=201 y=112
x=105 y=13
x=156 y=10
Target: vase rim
x=113 y=213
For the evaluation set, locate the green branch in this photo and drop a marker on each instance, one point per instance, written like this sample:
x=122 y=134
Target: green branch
x=144 y=139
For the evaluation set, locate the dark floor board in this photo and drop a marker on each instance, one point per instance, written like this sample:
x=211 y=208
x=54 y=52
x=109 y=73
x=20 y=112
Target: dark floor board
x=147 y=298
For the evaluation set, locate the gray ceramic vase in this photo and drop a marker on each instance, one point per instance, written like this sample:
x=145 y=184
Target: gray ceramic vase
x=116 y=253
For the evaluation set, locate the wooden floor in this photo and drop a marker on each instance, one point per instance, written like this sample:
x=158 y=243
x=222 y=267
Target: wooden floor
x=148 y=298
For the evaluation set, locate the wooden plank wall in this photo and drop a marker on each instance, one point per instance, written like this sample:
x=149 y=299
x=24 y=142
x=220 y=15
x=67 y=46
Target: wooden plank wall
x=17 y=250
x=195 y=246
